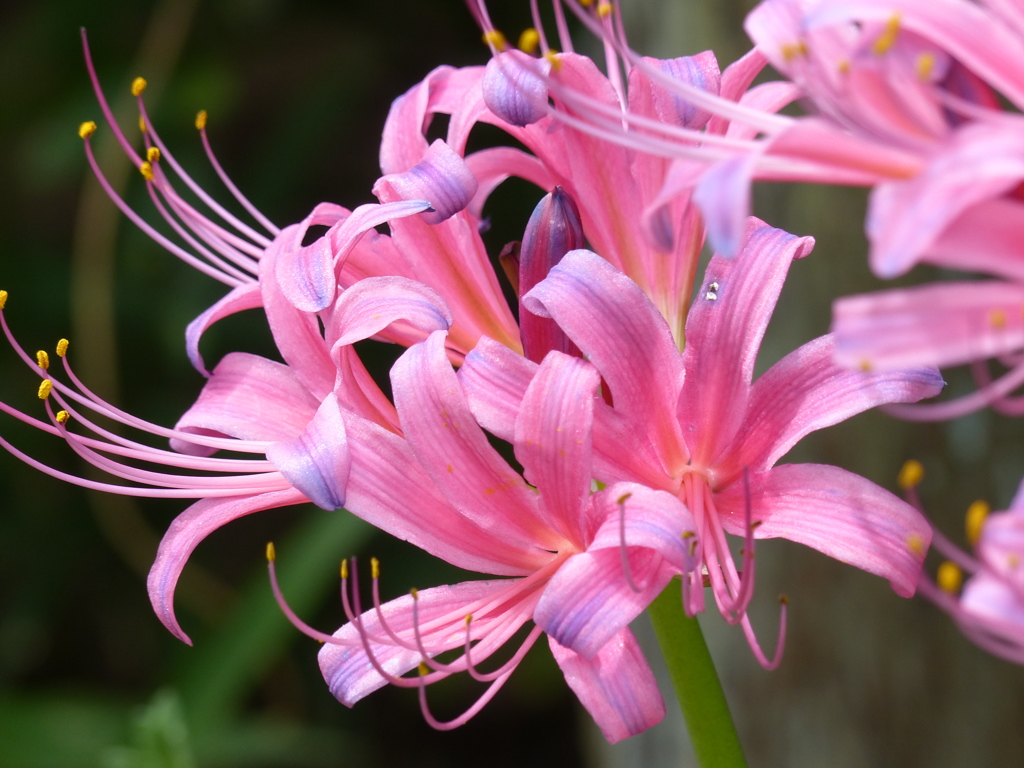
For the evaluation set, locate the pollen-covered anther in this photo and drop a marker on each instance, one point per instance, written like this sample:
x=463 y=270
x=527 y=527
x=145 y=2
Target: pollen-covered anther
x=62 y=417
x=374 y=568
x=424 y=670
x=344 y=569
x=142 y=124
x=792 y=51
x=783 y=600
x=554 y=58
x=974 y=521
x=925 y=65
x=86 y=129
x=911 y=474
x=915 y=544
x=153 y=154
x=42 y=359
x=201 y=120
x=604 y=9
x=529 y=40
x=45 y=387
x=997 y=318
x=415 y=593
x=496 y=39
x=146 y=169
x=138 y=86
x=3 y=299
x=271 y=552
x=864 y=366
x=888 y=37
x=949 y=577
x=469 y=619
x=62 y=347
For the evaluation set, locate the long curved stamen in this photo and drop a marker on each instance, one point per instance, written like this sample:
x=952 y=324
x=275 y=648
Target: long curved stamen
x=780 y=642
x=198 y=190
x=290 y=614
x=253 y=211
x=466 y=716
x=141 y=223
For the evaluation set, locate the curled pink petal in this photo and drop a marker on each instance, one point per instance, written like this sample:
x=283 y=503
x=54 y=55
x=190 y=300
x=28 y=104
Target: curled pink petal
x=514 y=88
x=442 y=178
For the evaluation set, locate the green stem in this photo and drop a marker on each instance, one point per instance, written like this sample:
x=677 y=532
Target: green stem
x=700 y=694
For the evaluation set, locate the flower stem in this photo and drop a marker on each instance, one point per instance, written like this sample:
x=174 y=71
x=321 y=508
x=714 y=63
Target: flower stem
x=698 y=689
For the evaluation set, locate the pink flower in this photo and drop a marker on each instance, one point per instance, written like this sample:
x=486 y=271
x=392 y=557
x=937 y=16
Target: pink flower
x=989 y=607
x=583 y=564
x=694 y=425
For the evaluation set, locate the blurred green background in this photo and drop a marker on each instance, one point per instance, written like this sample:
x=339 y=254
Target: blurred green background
x=297 y=93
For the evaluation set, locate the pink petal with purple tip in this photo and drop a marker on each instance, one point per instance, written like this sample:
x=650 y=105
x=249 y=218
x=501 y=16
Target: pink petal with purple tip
x=184 y=535
x=514 y=88
x=250 y=398
x=317 y=461
x=243 y=297
x=835 y=512
x=616 y=686
x=442 y=178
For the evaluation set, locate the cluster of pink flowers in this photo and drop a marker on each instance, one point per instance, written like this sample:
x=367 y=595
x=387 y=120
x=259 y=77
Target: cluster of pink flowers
x=641 y=438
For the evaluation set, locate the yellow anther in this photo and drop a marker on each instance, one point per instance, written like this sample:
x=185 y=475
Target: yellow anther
x=1013 y=560
x=911 y=474
x=688 y=534
x=45 y=387
x=949 y=577
x=554 y=58
x=138 y=86
x=529 y=40
x=997 y=318
x=888 y=38
x=3 y=299
x=791 y=51
x=916 y=544
x=469 y=618
x=142 y=124
x=146 y=169
x=374 y=568
x=62 y=347
x=424 y=670
x=201 y=120
x=864 y=366
x=604 y=9
x=86 y=129
x=271 y=552
x=783 y=600
x=975 y=520
x=843 y=66
x=494 y=38
x=42 y=359
x=153 y=154
x=344 y=569
x=415 y=593
x=586 y=3
x=924 y=65
x=62 y=417
x=623 y=498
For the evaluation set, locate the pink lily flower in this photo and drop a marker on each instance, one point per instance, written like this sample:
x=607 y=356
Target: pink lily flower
x=694 y=424
x=907 y=101
x=989 y=606
x=623 y=543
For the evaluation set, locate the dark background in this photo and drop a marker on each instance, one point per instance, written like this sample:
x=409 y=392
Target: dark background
x=297 y=93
